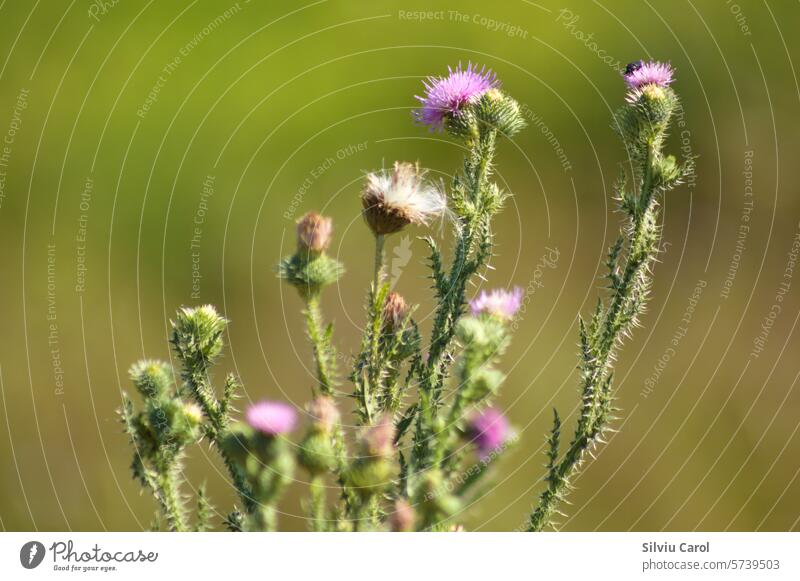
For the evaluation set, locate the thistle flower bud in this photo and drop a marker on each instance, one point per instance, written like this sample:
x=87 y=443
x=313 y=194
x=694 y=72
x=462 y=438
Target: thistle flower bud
x=372 y=472
x=152 y=378
x=314 y=233
x=197 y=333
x=402 y=517
x=392 y=201
x=378 y=440
x=316 y=453
x=324 y=414
x=498 y=111
x=395 y=311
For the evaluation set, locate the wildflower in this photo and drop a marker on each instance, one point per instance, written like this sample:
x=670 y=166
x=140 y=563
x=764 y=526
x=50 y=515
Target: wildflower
x=314 y=232
x=498 y=302
x=488 y=430
x=448 y=96
x=395 y=311
x=393 y=200
x=639 y=74
x=324 y=413
x=271 y=417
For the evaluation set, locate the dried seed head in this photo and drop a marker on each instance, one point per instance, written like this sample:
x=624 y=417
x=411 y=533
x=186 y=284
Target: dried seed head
x=393 y=200
x=314 y=232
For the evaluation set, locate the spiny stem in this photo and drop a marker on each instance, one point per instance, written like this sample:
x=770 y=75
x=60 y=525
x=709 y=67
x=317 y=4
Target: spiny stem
x=316 y=334
x=379 y=242
x=170 y=497
x=317 y=504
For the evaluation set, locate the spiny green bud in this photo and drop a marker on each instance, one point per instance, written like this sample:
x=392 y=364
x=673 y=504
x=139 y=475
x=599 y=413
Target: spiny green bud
x=197 y=333
x=499 y=111
x=171 y=423
x=372 y=472
x=151 y=377
x=316 y=453
x=309 y=274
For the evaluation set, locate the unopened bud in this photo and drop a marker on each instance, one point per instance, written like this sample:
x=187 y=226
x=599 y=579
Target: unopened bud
x=378 y=440
x=314 y=232
x=395 y=311
x=324 y=414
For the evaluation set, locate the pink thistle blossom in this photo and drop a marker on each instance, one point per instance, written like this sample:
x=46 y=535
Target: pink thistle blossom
x=271 y=417
x=447 y=96
x=498 y=302
x=638 y=74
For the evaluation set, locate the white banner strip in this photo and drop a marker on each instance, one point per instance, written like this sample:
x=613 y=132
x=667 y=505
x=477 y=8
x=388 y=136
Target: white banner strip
x=389 y=557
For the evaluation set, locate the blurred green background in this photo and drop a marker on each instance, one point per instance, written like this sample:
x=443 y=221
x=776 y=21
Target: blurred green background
x=127 y=125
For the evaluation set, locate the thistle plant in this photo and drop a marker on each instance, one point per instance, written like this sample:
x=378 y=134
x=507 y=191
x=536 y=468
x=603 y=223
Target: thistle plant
x=427 y=430
x=642 y=123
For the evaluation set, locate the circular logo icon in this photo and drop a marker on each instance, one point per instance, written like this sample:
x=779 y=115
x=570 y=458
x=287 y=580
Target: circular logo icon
x=31 y=554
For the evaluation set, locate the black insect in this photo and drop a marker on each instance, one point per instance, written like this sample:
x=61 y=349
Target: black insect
x=633 y=67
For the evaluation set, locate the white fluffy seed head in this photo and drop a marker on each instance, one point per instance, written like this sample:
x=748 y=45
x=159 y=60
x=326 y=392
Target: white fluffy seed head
x=392 y=200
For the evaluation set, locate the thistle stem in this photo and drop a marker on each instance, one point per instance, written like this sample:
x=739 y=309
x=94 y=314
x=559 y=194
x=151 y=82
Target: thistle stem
x=597 y=382
x=379 y=243
x=170 y=498
x=316 y=334
x=317 y=504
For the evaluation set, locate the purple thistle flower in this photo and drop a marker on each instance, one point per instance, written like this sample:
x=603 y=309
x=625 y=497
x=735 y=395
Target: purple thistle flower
x=271 y=417
x=488 y=430
x=498 y=302
x=446 y=96
x=638 y=74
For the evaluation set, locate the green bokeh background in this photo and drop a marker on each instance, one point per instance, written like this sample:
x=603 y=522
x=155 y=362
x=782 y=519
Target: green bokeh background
x=266 y=95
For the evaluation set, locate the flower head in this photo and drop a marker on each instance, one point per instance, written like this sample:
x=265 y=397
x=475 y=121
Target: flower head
x=378 y=440
x=392 y=200
x=498 y=302
x=447 y=96
x=314 y=232
x=639 y=74
x=271 y=417
x=488 y=430
x=395 y=310
x=324 y=413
